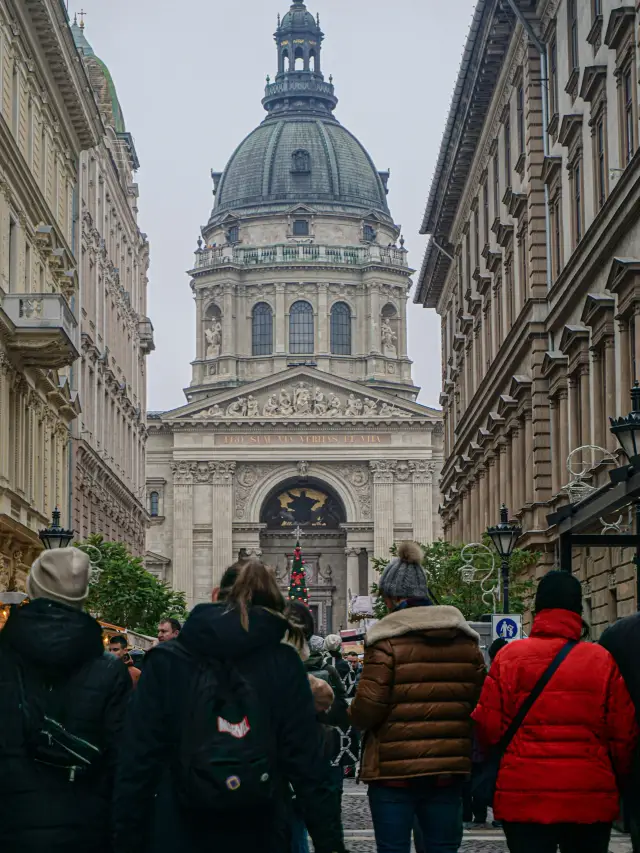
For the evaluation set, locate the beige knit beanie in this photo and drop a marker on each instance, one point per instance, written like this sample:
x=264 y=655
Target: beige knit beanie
x=61 y=574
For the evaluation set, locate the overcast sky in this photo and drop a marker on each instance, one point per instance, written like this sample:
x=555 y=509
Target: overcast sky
x=190 y=78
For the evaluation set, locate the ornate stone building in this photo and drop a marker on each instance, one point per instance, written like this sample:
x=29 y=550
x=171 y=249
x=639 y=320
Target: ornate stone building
x=302 y=409
x=533 y=267
x=48 y=116
x=110 y=434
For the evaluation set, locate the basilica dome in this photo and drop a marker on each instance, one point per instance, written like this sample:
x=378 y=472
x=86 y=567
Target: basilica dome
x=300 y=154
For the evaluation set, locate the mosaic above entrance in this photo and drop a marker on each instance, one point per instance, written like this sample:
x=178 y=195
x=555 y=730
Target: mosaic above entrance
x=303 y=506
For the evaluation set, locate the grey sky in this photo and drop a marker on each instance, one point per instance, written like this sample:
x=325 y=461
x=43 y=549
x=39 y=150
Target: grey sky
x=190 y=78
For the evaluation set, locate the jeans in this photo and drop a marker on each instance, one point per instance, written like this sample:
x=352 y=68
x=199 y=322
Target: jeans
x=570 y=837
x=438 y=811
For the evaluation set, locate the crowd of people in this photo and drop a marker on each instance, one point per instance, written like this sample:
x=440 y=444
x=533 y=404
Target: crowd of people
x=240 y=729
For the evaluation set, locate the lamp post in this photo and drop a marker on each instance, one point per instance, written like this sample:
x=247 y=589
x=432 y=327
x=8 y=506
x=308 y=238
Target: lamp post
x=504 y=537
x=627 y=431
x=55 y=536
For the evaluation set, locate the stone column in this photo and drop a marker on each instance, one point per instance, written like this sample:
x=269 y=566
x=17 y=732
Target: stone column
x=228 y=321
x=625 y=369
x=280 y=320
x=222 y=522
x=585 y=405
x=383 y=476
x=528 y=457
x=375 y=342
x=323 y=319
x=574 y=412
x=423 y=501
x=563 y=437
x=482 y=480
x=183 y=474
x=610 y=388
x=502 y=483
x=353 y=576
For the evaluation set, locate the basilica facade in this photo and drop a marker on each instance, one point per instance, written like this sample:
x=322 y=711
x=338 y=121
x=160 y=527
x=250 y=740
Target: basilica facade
x=301 y=412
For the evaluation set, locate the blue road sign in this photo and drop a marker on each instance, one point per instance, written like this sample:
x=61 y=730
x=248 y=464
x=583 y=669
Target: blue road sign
x=507 y=627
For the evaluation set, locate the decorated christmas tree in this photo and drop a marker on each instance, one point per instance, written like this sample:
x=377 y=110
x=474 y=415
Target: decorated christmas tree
x=298 y=582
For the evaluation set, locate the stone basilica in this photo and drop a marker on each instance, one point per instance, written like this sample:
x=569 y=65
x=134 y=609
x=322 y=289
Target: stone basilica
x=301 y=410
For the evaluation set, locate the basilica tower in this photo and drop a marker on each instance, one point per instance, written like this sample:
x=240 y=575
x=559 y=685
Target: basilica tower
x=301 y=388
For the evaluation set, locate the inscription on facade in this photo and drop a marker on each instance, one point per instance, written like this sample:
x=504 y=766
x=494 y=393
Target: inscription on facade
x=280 y=440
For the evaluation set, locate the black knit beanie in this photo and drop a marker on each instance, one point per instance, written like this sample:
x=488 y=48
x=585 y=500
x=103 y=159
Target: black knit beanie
x=561 y=591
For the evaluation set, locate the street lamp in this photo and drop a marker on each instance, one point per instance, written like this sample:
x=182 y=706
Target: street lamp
x=627 y=430
x=55 y=536
x=504 y=537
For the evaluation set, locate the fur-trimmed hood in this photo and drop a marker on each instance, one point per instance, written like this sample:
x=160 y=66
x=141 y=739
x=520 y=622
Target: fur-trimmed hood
x=410 y=620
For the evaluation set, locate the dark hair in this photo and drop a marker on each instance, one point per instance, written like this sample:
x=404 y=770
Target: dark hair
x=175 y=625
x=119 y=640
x=250 y=584
x=299 y=614
x=495 y=647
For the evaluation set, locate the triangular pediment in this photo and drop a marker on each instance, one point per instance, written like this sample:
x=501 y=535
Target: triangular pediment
x=301 y=394
x=301 y=210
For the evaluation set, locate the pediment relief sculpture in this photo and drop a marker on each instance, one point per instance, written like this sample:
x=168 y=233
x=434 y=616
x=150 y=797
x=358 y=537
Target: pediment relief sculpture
x=303 y=400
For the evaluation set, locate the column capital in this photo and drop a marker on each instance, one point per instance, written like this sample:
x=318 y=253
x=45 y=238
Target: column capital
x=352 y=552
x=423 y=471
x=383 y=471
x=183 y=473
x=222 y=473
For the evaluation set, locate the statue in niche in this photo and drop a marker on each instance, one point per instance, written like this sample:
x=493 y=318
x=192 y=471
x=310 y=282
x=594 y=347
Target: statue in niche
x=214 y=338
x=335 y=406
x=354 y=407
x=302 y=400
x=286 y=406
x=253 y=410
x=271 y=407
x=319 y=403
x=389 y=338
x=237 y=409
x=370 y=407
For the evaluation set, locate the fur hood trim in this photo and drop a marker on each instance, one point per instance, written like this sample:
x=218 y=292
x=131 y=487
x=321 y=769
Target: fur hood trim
x=441 y=617
x=304 y=652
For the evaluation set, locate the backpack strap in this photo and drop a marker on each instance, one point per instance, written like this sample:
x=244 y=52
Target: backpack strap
x=528 y=703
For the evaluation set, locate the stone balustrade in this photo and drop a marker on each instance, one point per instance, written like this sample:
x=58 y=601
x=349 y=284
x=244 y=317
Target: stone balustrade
x=308 y=253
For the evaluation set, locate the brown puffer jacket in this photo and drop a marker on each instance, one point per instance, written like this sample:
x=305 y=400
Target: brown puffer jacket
x=422 y=676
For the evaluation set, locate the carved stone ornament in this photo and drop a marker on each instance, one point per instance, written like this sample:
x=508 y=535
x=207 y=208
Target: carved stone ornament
x=183 y=473
x=303 y=400
x=247 y=478
x=383 y=471
x=403 y=471
x=214 y=338
x=423 y=471
x=222 y=473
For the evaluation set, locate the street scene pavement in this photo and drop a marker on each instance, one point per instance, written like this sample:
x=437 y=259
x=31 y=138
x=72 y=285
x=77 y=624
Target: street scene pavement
x=359 y=836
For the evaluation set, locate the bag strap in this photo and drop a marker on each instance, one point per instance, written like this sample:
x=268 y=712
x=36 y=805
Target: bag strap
x=528 y=703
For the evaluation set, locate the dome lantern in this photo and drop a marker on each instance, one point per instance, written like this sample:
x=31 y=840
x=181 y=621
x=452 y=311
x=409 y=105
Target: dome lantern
x=299 y=83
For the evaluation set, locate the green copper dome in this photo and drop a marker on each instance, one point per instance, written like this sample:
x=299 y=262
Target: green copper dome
x=300 y=154
x=300 y=160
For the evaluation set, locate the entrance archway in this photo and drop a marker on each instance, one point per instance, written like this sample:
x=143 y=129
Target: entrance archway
x=318 y=510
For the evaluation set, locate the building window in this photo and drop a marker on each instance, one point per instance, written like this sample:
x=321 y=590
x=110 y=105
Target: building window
x=341 y=329
x=262 y=330
x=468 y=262
x=507 y=152
x=556 y=236
x=520 y=116
x=154 y=504
x=600 y=162
x=596 y=9
x=15 y=99
x=369 y=233
x=300 y=227
x=572 y=9
x=301 y=328
x=485 y=197
x=628 y=130
x=13 y=254
x=233 y=234
x=496 y=186
x=553 y=77
x=577 y=213
x=476 y=238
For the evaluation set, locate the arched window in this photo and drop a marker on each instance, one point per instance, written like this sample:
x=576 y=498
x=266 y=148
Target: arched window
x=341 y=329
x=286 y=65
x=299 y=59
x=154 y=504
x=262 y=329
x=301 y=328
x=312 y=61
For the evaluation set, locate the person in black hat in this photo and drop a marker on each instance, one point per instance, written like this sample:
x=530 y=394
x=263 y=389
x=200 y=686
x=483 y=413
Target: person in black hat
x=558 y=779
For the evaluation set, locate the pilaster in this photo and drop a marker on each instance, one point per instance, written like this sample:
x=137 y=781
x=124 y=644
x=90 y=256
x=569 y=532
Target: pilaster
x=423 y=501
x=383 y=505
x=183 y=476
x=222 y=475
x=353 y=575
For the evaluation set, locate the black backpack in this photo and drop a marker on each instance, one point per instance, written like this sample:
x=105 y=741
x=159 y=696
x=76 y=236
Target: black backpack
x=223 y=759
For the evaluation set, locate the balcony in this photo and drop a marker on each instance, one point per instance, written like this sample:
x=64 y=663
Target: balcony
x=145 y=330
x=286 y=254
x=40 y=328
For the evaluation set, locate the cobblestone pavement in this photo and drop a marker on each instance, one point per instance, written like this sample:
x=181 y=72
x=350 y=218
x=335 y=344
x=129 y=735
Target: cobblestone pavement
x=359 y=831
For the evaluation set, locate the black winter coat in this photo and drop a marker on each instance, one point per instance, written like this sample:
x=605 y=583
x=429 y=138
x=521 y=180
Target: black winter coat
x=622 y=641
x=148 y=818
x=41 y=809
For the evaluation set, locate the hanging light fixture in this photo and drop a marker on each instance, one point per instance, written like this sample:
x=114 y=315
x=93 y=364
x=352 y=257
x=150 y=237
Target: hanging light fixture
x=627 y=429
x=505 y=534
x=55 y=536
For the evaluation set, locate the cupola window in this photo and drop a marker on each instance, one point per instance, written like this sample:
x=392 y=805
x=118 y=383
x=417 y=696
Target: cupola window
x=300 y=227
x=262 y=329
x=301 y=328
x=369 y=233
x=341 y=329
x=233 y=234
x=154 y=504
x=301 y=162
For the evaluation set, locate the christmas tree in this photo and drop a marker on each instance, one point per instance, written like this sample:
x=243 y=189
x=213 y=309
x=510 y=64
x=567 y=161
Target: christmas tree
x=298 y=583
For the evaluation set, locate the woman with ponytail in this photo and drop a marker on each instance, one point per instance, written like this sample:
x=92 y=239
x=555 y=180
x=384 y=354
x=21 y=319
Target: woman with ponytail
x=245 y=635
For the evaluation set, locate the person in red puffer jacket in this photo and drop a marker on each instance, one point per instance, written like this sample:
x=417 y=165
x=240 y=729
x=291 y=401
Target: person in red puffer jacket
x=559 y=780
